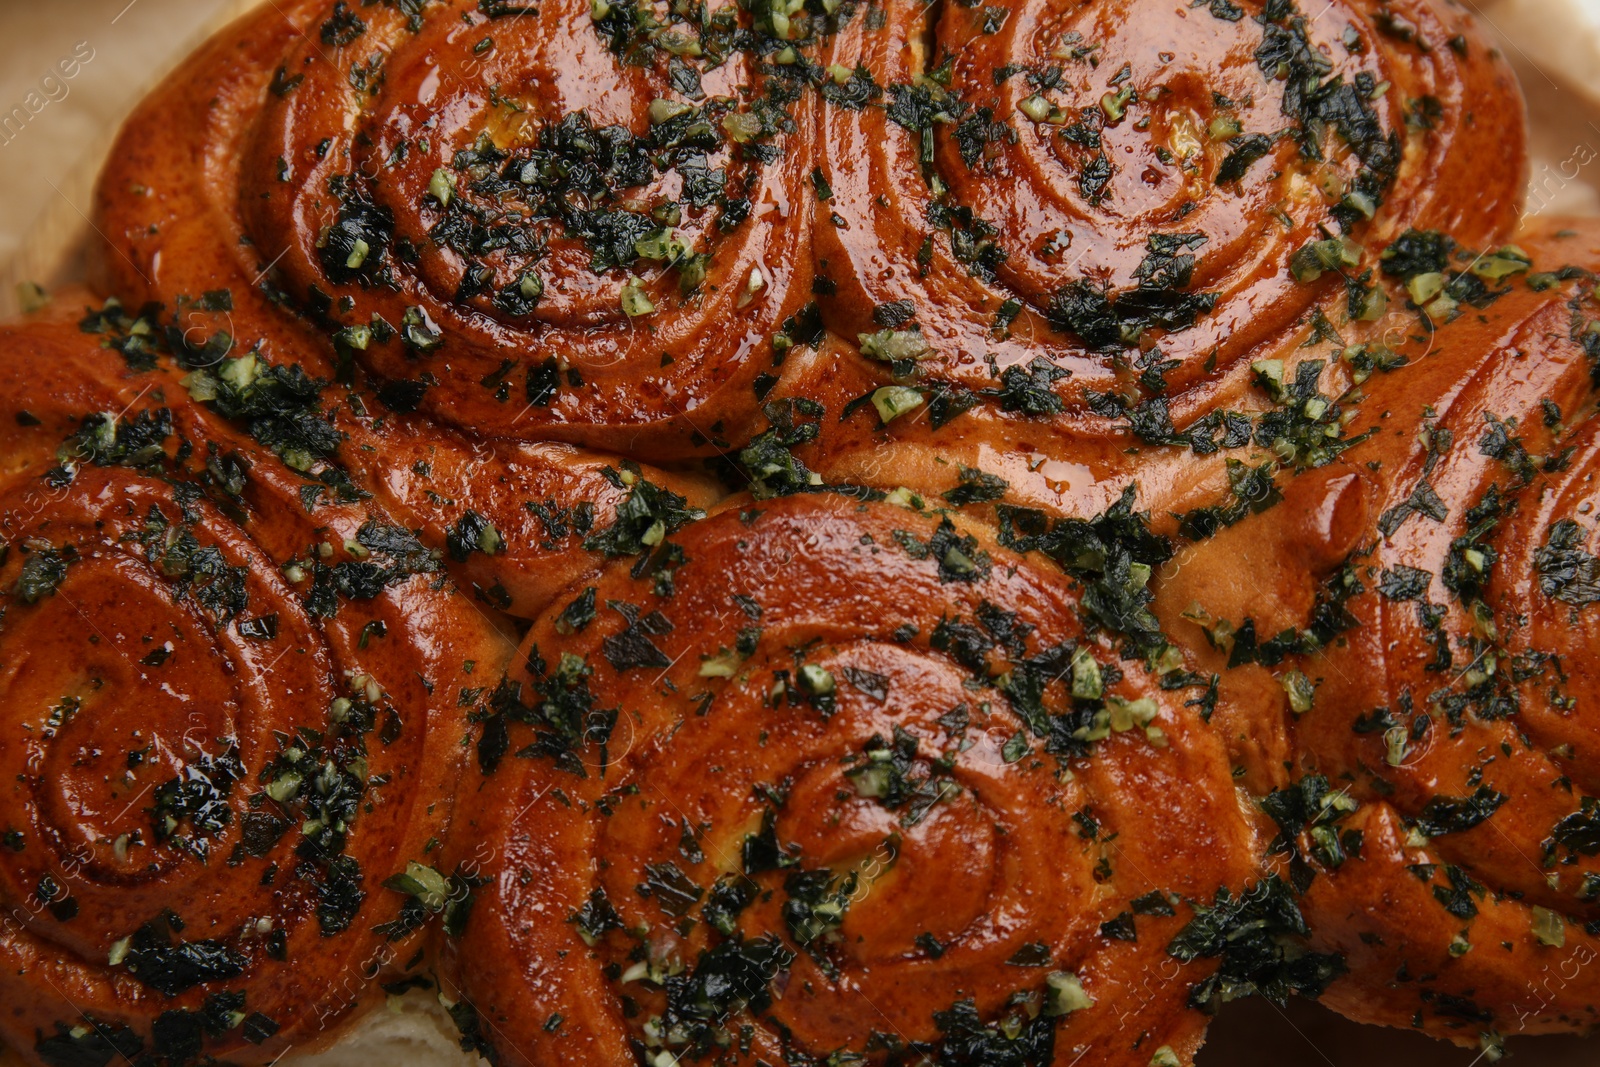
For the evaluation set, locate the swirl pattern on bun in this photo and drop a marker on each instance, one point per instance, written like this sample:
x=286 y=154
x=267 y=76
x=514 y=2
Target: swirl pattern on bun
x=616 y=199
x=804 y=532
x=1433 y=661
x=216 y=755
x=863 y=773
x=1062 y=196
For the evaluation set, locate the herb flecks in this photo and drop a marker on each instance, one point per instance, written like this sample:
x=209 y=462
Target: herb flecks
x=1259 y=937
x=1161 y=301
x=1112 y=555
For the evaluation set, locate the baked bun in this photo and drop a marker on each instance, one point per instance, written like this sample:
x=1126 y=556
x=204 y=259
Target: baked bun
x=861 y=757
x=804 y=532
x=248 y=706
x=1447 y=713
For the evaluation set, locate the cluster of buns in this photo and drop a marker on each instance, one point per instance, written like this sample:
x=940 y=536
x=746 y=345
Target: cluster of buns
x=804 y=532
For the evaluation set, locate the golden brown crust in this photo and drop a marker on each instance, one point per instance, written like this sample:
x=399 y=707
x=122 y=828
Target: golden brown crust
x=812 y=670
x=211 y=766
x=1144 y=445
x=1450 y=706
x=436 y=140
x=1083 y=182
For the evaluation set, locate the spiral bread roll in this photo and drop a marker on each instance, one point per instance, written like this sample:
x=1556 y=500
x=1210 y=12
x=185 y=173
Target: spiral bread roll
x=222 y=730
x=617 y=202
x=1045 y=248
x=1427 y=622
x=1108 y=187
x=780 y=811
x=1481 y=609
x=171 y=199
x=803 y=532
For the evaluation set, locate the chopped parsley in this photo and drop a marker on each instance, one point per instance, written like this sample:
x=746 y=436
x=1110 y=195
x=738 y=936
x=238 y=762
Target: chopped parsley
x=1566 y=572
x=1258 y=936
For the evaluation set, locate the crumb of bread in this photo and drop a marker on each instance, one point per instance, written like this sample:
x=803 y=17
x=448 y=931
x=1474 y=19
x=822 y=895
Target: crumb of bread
x=412 y=1029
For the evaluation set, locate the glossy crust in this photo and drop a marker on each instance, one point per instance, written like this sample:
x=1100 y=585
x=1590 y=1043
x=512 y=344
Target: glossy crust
x=927 y=841
x=925 y=255
x=1504 y=710
x=170 y=199
x=1082 y=183
x=464 y=152
x=513 y=520
x=1028 y=522
x=1450 y=705
x=211 y=766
